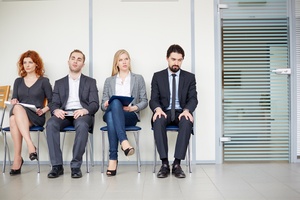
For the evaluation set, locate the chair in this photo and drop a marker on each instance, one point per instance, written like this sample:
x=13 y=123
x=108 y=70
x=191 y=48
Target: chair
x=4 y=94
x=173 y=128
x=38 y=129
x=89 y=145
x=135 y=130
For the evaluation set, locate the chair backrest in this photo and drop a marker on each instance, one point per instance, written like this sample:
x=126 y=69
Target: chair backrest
x=4 y=94
x=45 y=103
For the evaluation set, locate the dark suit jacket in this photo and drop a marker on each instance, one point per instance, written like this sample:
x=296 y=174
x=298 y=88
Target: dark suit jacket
x=88 y=94
x=160 y=91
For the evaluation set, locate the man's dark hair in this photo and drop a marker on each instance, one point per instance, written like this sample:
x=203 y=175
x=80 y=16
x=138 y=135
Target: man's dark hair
x=77 y=51
x=175 y=48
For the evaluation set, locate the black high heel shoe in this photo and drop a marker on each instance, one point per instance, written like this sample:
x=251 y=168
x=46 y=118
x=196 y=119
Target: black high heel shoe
x=16 y=171
x=33 y=156
x=129 y=151
x=112 y=172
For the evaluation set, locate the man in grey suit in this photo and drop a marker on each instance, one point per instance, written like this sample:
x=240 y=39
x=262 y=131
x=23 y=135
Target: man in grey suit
x=75 y=101
x=173 y=107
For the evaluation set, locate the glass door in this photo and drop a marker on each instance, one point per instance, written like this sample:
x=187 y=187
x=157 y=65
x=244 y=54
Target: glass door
x=255 y=73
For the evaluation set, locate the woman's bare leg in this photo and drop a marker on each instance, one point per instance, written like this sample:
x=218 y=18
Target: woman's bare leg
x=17 y=140
x=22 y=126
x=112 y=165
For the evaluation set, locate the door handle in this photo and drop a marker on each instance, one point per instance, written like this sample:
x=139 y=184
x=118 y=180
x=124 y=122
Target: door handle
x=224 y=139
x=285 y=71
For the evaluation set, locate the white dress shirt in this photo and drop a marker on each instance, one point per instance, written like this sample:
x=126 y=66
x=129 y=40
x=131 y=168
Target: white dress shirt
x=73 y=100
x=123 y=87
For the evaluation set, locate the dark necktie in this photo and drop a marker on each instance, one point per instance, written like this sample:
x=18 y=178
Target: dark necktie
x=173 y=98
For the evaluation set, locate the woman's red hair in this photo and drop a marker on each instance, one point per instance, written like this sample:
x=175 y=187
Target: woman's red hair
x=39 y=70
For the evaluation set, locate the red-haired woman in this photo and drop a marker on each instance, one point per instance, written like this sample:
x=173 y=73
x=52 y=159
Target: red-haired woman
x=30 y=88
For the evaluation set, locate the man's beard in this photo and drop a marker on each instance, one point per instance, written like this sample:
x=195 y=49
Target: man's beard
x=174 y=68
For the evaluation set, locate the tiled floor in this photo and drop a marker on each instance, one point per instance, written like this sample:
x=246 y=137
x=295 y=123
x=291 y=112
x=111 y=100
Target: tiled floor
x=225 y=181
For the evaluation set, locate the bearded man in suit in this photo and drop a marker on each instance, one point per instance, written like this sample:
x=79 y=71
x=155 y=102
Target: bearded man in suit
x=173 y=100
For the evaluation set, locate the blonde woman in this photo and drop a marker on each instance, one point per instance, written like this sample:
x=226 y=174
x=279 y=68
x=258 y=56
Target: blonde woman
x=122 y=83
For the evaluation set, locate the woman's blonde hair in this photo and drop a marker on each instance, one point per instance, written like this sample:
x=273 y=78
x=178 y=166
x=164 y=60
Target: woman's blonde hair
x=115 y=67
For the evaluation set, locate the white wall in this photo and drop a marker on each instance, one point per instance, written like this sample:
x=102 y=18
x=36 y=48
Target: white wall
x=53 y=29
x=146 y=29
x=205 y=74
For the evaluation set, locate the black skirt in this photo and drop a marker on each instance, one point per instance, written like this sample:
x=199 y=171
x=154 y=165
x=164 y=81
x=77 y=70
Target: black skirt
x=32 y=116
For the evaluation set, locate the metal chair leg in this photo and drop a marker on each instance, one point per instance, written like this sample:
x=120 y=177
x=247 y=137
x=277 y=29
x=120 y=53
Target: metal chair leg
x=6 y=152
x=63 y=142
x=155 y=158
x=87 y=157
x=103 y=154
x=91 y=140
x=4 y=159
x=189 y=158
x=38 y=153
x=138 y=157
x=45 y=134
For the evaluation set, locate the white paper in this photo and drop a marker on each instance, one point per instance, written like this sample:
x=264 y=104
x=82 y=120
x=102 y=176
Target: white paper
x=69 y=113
x=30 y=106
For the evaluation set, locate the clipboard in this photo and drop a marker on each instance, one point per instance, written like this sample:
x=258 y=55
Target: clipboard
x=124 y=99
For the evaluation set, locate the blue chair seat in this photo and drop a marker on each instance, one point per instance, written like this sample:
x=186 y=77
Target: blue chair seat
x=127 y=128
x=33 y=128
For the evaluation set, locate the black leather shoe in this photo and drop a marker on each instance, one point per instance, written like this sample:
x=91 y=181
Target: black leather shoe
x=76 y=173
x=16 y=171
x=177 y=171
x=164 y=171
x=56 y=171
x=33 y=156
x=128 y=151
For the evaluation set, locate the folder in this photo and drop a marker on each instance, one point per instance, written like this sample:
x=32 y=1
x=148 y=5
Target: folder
x=124 y=99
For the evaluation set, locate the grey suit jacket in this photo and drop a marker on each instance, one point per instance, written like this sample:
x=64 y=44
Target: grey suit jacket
x=137 y=90
x=88 y=94
x=160 y=91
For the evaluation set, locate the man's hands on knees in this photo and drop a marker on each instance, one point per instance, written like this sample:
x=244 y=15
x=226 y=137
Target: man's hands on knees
x=59 y=113
x=80 y=113
x=158 y=113
x=187 y=115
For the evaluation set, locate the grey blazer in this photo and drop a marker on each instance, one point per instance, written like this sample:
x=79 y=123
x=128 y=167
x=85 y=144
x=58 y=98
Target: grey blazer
x=137 y=90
